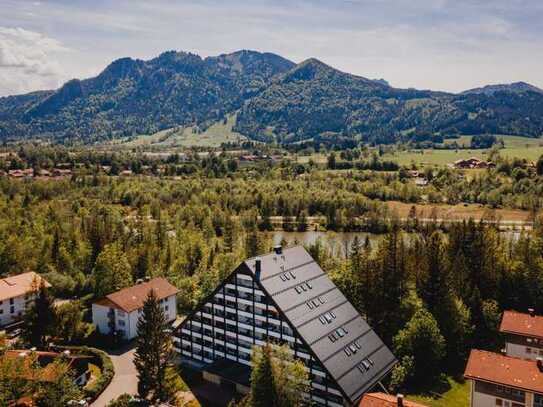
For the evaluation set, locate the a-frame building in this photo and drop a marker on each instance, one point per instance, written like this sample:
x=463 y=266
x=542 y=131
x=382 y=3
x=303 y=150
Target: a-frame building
x=286 y=297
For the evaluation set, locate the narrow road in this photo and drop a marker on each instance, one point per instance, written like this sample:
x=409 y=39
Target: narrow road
x=125 y=379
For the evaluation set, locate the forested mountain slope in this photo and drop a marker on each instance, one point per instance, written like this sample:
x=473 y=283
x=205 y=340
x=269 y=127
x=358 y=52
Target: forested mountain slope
x=313 y=99
x=134 y=96
x=275 y=100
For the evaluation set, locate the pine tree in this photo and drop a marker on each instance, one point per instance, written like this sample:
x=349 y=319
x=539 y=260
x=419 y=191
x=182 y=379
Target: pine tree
x=262 y=378
x=40 y=317
x=153 y=352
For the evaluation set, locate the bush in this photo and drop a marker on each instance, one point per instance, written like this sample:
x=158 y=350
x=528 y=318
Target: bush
x=104 y=362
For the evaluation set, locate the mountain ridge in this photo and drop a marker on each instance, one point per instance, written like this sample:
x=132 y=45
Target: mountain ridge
x=276 y=100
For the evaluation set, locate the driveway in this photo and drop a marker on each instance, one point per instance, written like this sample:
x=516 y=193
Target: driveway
x=125 y=379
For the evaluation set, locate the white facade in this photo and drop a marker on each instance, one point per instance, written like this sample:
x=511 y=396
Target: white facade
x=485 y=394
x=532 y=349
x=107 y=318
x=13 y=309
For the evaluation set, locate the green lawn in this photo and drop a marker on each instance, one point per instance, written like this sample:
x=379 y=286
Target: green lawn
x=457 y=395
x=213 y=136
x=515 y=146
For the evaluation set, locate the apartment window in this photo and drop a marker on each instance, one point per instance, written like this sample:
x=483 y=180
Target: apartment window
x=166 y=308
x=499 y=402
x=528 y=350
x=1 y=311
x=11 y=301
x=12 y=310
x=121 y=322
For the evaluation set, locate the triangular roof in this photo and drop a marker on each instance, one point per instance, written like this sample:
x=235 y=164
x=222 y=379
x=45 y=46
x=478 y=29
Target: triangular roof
x=355 y=371
x=132 y=298
x=522 y=324
x=15 y=286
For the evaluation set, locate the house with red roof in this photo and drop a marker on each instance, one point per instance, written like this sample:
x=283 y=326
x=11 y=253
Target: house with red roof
x=119 y=312
x=504 y=381
x=523 y=334
x=386 y=400
x=16 y=294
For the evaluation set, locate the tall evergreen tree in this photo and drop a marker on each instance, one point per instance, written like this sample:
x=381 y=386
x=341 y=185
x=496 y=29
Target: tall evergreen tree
x=40 y=317
x=153 y=352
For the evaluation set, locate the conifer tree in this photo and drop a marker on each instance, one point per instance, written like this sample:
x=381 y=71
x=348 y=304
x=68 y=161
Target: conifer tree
x=40 y=317
x=153 y=352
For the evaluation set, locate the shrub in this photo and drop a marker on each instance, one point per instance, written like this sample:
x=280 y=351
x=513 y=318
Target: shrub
x=103 y=361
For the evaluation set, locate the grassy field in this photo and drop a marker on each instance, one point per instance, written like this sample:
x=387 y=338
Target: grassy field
x=522 y=147
x=460 y=211
x=213 y=136
x=456 y=396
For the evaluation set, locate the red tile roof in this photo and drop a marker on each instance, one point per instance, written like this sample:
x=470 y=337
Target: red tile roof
x=132 y=298
x=504 y=370
x=522 y=324
x=385 y=400
x=15 y=286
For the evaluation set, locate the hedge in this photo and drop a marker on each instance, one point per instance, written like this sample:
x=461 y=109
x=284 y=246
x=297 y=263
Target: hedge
x=106 y=366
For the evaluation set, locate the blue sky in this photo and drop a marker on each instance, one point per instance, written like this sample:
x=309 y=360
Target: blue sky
x=447 y=45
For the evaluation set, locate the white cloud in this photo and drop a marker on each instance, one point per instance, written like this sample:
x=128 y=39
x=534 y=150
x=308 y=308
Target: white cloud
x=28 y=61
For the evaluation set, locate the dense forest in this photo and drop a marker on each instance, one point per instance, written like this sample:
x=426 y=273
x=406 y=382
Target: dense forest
x=422 y=286
x=274 y=98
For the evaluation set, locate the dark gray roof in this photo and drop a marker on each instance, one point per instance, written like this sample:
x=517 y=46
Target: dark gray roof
x=306 y=321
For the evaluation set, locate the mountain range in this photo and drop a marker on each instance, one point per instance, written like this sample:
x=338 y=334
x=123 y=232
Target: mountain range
x=273 y=99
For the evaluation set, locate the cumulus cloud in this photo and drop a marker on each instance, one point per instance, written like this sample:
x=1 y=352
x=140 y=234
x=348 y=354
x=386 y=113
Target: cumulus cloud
x=28 y=60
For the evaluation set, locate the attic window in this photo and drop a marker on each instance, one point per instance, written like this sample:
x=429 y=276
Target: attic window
x=286 y=276
x=298 y=290
x=282 y=277
x=321 y=300
x=292 y=275
x=347 y=351
x=308 y=286
x=332 y=337
x=323 y=321
x=333 y=315
x=341 y=332
x=315 y=303
x=303 y=287
x=310 y=305
x=357 y=344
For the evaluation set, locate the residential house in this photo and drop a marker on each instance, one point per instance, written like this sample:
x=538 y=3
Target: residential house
x=471 y=163
x=285 y=297
x=16 y=293
x=386 y=400
x=504 y=381
x=523 y=334
x=48 y=371
x=120 y=311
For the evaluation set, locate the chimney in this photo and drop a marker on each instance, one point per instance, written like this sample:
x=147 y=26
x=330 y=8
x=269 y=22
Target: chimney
x=539 y=362
x=531 y=311
x=399 y=398
x=278 y=249
x=258 y=267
